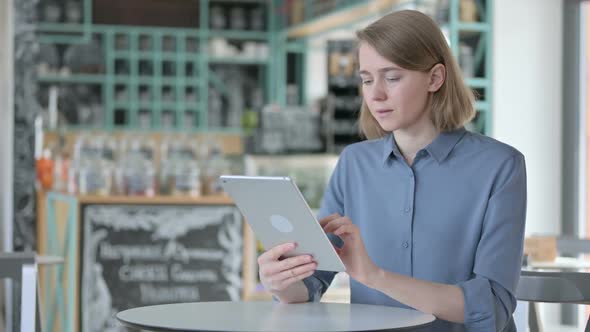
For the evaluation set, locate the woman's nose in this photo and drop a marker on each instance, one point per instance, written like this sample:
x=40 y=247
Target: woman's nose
x=378 y=92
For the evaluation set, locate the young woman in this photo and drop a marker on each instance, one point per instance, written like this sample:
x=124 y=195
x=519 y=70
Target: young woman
x=431 y=216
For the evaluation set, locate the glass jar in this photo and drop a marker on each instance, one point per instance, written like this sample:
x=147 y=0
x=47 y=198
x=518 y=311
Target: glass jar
x=187 y=179
x=166 y=182
x=140 y=181
x=90 y=173
x=94 y=178
x=136 y=171
x=180 y=169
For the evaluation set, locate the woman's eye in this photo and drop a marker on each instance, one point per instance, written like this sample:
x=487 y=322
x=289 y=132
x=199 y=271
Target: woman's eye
x=392 y=79
x=365 y=82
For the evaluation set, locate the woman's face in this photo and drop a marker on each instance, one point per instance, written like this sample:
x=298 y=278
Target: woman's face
x=396 y=97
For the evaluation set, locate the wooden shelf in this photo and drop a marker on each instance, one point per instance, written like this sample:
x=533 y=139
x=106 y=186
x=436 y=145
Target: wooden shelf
x=340 y=18
x=154 y=200
x=230 y=139
x=159 y=200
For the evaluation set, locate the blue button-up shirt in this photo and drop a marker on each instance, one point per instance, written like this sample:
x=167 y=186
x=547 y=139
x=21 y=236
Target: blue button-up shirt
x=455 y=216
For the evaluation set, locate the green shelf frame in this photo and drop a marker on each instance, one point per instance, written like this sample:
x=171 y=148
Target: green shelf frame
x=245 y=61
x=482 y=106
x=473 y=26
x=477 y=82
x=76 y=78
x=60 y=27
x=239 y=35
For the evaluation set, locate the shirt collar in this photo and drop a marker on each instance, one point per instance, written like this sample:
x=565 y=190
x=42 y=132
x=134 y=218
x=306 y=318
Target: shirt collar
x=389 y=148
x=439 y=149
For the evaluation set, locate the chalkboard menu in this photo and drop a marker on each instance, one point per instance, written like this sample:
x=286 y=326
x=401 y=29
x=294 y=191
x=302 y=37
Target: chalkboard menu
x=137 y=255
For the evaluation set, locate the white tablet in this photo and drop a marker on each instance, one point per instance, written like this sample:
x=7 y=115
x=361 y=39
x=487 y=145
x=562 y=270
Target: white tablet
x=278 y=213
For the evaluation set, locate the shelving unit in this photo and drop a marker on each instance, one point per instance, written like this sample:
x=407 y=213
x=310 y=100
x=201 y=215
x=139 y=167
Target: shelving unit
x=476 y=35
x=158 y=78
x=165 y=87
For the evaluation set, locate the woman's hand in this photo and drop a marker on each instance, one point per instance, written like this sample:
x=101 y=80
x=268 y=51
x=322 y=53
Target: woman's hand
x=278 y=274
x=353 y=253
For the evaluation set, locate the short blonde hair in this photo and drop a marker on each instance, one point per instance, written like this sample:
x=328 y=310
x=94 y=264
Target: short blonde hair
x=413 y=41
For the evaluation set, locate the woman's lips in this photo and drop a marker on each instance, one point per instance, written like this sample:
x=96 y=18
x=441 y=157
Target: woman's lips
x=384 y=112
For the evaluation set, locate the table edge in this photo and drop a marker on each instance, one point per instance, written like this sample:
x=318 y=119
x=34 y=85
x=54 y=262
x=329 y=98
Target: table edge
x=167 y=329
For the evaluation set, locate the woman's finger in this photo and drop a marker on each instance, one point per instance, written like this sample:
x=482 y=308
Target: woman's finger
x=329 y=218
x=345 y=229
x=276 y=252
x=287 y=264
x=288 y=282
x=294 y=272
x=334 y=224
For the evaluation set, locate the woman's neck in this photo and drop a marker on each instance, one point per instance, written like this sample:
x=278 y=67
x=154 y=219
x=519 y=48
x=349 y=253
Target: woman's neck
x=410 y=141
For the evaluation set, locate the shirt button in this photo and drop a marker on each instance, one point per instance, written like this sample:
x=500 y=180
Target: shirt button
x=407 y=209
x=406 y=244
x=411 y=175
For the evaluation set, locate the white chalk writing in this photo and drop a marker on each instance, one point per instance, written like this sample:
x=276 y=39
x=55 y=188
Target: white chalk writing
x=168 y=294
x=127 y=252
x=178 y=273
x=129 y=273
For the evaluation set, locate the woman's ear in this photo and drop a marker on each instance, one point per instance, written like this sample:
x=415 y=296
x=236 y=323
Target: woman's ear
x=437 y=77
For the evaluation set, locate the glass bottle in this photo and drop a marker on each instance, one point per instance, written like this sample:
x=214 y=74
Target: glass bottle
x=216 y=166
x=44 y=167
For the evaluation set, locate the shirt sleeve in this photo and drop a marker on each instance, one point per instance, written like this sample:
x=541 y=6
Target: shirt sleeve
x=489 y=295
x=332 y=202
